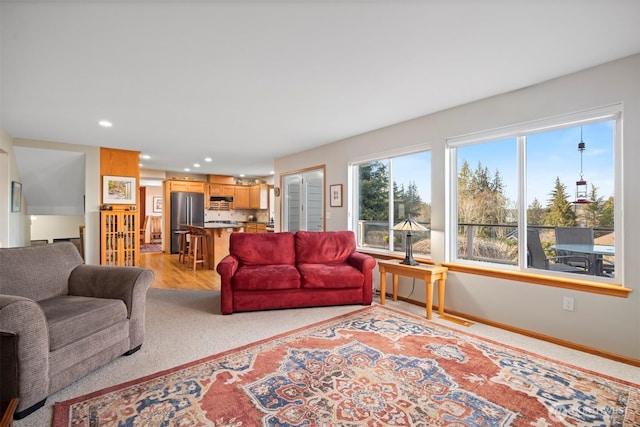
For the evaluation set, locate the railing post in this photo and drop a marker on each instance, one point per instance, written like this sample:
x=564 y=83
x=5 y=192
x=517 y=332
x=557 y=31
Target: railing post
x=470 y=242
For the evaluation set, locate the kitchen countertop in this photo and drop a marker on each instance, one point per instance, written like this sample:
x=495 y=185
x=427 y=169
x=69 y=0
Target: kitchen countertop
x=223 y=225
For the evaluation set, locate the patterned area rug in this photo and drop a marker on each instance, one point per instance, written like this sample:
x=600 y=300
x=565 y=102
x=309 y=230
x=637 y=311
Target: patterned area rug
x=374 y=367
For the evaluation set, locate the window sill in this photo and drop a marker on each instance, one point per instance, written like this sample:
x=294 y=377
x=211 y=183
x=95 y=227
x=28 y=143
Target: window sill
x=539 y=279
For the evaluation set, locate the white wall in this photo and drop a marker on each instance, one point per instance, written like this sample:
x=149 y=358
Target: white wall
x=92 y=192
x=608 y=323
x=49 y=227
x=14 y=226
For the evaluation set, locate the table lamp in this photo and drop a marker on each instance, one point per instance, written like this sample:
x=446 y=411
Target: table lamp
x=409 y=225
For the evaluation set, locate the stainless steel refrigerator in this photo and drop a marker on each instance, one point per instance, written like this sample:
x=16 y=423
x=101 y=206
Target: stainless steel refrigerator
x=186 y=208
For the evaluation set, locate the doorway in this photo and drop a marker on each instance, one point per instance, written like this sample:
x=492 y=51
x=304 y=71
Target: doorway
x=303 y=201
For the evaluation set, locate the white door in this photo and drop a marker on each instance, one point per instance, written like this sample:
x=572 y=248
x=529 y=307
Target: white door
x=303 y=201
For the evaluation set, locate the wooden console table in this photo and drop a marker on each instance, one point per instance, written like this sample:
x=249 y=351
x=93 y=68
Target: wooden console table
x=428 y=273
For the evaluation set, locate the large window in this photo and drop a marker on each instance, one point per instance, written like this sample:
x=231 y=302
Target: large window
x=389 y=190
x=540 y=197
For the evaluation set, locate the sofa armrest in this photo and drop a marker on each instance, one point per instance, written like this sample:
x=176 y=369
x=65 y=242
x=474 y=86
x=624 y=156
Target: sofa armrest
x=362 y=262
x=27 y=364
x=129 y=284
x=226 y=268
x=365 y=264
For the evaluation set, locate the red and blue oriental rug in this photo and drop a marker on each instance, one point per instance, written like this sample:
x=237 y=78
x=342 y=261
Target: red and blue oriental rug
x=373 y=367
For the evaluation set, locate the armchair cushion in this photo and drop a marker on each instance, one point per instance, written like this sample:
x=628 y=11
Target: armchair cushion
x=47 y=276
x=72 y=318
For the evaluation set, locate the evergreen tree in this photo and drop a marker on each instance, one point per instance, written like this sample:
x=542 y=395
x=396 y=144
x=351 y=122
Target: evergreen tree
x=559 y=212
x=593 y=210
x=607 y=216
x=535 y=213
x=374 y=193
x=466 y=205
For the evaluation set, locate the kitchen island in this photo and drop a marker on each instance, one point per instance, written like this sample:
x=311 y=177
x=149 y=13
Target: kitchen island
x=219 y=233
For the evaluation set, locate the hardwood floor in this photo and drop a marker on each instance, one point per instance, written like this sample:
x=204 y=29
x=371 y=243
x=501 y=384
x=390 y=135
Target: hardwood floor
x=171 y=275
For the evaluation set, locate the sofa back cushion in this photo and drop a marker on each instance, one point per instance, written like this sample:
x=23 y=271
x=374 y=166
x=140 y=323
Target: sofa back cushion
x=263 y=248
x=38 y=272
x=324 y=247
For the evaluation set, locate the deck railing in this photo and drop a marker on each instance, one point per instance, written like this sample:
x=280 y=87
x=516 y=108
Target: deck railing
x=497 y=243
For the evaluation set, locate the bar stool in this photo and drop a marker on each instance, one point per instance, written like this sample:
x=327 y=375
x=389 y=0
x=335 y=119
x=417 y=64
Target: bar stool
x=198 y=247
x=183 y=245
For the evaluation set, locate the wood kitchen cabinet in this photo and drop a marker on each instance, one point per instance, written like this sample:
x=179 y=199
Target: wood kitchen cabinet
x=119 y=238
x=190 y=186
x=259 y=196
x=241 y=199
x=254 y=227
x=219 y=190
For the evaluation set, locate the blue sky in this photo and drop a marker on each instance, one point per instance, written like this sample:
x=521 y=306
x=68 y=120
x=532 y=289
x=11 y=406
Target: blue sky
x=412 y=168
x=550 y=155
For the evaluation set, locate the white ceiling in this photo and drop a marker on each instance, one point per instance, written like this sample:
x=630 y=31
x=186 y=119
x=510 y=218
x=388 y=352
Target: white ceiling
x=245 y=82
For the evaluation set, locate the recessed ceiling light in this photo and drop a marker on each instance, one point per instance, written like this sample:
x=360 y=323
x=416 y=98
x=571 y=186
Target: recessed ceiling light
x=105 y=123
x=140 y=164
x=241 y=175
x=196 y=165
x=208 y=159
x=272 y=172
x=145 y=156
x=187 y=170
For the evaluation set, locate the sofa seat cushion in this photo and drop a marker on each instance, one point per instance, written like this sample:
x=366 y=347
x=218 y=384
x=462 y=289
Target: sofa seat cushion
x=314 y=247
x=266 y=277
x=72 y=318
x=263 y=248
x=336 y=276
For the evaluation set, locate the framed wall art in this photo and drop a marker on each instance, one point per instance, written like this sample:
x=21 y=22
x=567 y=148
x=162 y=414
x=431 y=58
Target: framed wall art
x=16 y=196
x=157 y=204
x=119 y=190
x=335 y=195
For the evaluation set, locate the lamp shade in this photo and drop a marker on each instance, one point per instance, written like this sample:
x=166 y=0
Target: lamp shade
x=409 y=225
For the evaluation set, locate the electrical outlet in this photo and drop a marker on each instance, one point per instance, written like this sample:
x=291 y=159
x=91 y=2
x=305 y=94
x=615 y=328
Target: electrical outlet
x=568 y=303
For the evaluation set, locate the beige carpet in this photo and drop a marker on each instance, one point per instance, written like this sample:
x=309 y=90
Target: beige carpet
x=184 y=325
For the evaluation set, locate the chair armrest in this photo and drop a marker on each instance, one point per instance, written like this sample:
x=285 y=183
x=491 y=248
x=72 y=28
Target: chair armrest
x=129 y=284
x=226 y=268
x=586 y=260
x=100 y=281
x=28 y=362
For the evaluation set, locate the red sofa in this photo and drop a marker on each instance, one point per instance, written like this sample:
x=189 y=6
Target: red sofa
x=285 y=270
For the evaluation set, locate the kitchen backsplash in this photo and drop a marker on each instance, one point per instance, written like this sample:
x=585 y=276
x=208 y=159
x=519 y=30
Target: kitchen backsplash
x=236 y=215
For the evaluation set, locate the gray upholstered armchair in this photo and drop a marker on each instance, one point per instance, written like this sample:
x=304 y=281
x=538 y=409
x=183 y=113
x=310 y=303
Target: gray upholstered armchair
x=61 y=319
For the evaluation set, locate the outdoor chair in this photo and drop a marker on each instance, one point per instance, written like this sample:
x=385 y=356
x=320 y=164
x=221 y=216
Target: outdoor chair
x=536 y=257
x=581 y=236
x=574 y=236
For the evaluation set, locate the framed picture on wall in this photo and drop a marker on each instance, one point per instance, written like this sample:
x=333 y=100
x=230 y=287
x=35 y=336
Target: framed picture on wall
x=16 y=196
x=335 y=195
x=119 y=190
x=157 y=204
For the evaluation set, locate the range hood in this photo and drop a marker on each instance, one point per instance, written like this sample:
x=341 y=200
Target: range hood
x=220 y=203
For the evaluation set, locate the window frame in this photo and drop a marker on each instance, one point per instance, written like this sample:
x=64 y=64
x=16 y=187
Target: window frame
x=613 y=112
x=352 y=197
